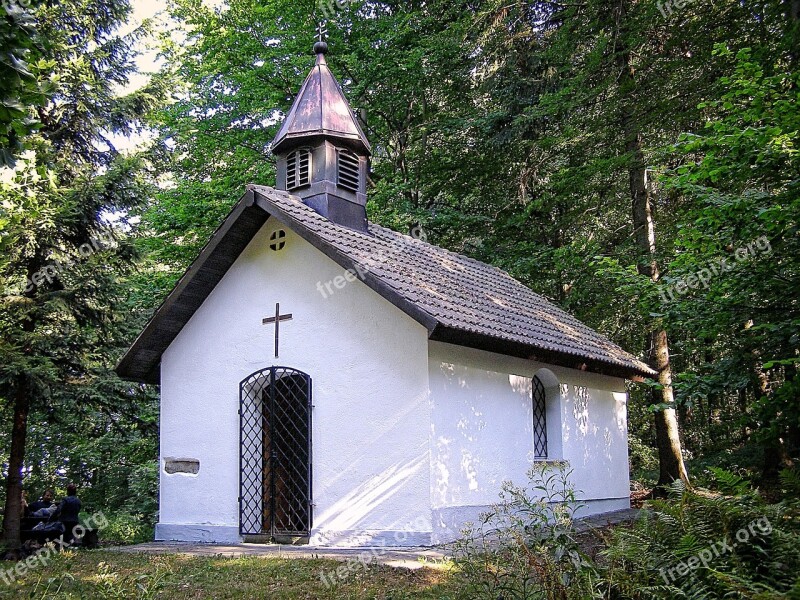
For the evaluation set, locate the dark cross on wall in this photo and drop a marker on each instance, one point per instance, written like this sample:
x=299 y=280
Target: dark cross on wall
x=277 y=320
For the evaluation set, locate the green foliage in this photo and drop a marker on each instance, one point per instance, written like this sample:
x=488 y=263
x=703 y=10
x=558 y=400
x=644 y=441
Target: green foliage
x=712 y=101
x=231 y=83
x=730 y=483
x=24 y=77
x=125 y=528
x=525 y=546
x=695 y=544
x=643 y=457
x=790 y=480
x=703 y=545
x=66 y=247
x=741 y=329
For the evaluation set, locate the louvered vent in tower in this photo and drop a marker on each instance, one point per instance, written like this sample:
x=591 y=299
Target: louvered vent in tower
x=298 y=169
x=347 y=170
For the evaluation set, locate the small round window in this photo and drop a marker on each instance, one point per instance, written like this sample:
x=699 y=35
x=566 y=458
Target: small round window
x=277 y=240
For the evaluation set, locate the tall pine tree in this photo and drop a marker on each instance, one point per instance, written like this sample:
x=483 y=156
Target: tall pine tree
x=62 y=253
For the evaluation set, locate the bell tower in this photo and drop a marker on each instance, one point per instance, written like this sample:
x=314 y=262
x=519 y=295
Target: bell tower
x=323 y=154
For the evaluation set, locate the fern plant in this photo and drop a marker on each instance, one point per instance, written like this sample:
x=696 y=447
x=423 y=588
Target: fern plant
x=698 y=544
x=790 y=482
x=730 y=483
x=694 y=544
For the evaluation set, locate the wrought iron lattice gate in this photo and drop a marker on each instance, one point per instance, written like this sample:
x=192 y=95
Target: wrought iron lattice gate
x=275 y=453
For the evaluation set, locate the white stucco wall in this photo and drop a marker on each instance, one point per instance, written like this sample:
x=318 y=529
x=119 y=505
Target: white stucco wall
x=482 y=435
x=371 y=417
x=410 y=438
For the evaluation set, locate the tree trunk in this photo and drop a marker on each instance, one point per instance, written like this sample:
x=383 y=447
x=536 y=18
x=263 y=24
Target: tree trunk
x=671 y=466
x=666 y=421
x=19 y=434
x=670 y=455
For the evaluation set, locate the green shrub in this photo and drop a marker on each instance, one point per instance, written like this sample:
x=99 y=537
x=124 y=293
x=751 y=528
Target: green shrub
x=125 y=528
x=790 y=484
x=729 y=543
x=525 y=546
x=643 y=459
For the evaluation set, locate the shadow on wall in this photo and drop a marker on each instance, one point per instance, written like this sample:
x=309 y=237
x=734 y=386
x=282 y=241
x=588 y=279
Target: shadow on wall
x=593 y=428
x=399 y=475
x=379 y=433
x=481 y=435
x=481 y=432
x=352 y=510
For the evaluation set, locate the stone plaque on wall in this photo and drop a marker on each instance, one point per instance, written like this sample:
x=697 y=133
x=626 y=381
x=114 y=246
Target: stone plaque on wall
x=182 y=465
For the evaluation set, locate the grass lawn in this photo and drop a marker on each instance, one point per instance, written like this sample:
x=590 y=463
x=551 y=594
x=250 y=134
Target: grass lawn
x=102 y=574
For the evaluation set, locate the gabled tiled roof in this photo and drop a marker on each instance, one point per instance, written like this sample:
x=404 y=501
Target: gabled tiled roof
x=458 y=292
x=459 y=300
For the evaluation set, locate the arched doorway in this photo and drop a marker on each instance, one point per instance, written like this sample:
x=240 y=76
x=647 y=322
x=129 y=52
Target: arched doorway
x=275 y=453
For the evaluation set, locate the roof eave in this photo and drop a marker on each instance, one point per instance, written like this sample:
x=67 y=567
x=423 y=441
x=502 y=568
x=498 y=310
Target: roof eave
x=142 y=360
x=470 y=339
x=288 y=141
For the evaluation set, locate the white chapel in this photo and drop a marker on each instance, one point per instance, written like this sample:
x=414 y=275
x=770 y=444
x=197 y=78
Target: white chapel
x=329 y=381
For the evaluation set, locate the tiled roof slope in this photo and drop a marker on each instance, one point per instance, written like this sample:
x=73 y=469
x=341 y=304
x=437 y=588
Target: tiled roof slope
x=458 y=300
x=457 y=293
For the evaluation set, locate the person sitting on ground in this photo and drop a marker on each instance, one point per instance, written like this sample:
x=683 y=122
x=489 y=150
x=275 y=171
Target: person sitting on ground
x=68 y=510
x=46 y=501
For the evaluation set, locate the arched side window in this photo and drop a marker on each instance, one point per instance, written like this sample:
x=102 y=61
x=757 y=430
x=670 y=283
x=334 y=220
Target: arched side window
x=298 y=168
x=347 y=171
x=539 y=398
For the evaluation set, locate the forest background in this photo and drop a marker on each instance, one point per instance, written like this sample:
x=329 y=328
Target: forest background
x=635 y=161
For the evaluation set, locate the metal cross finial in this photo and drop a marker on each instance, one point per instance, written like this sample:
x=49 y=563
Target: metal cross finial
x=277 y=320
x=322 y=30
